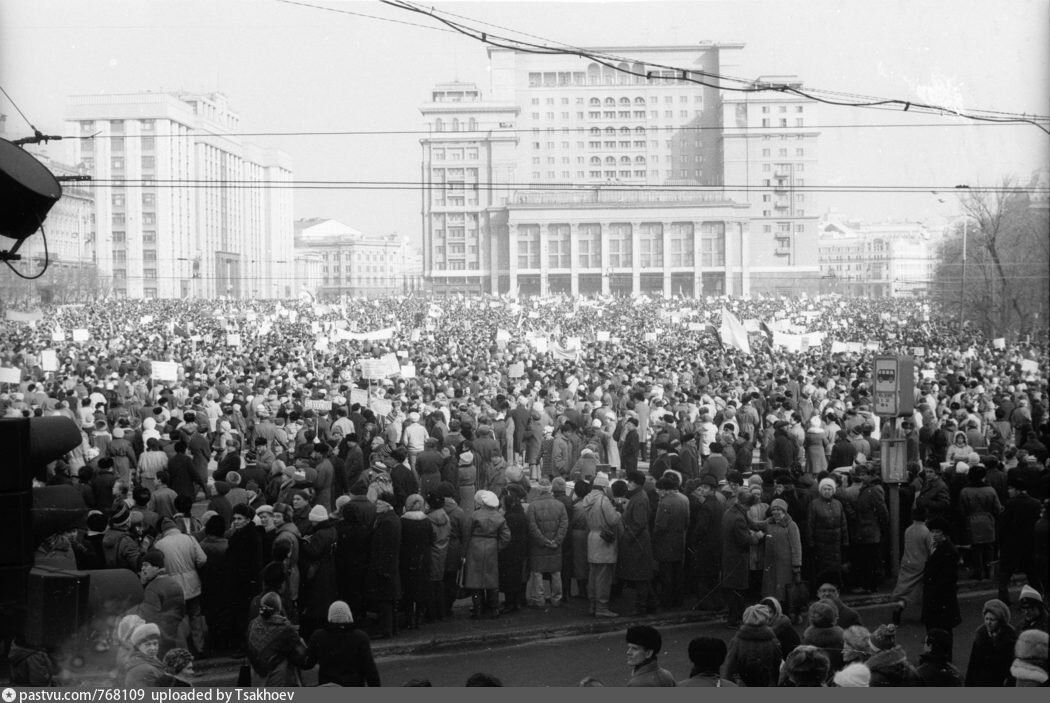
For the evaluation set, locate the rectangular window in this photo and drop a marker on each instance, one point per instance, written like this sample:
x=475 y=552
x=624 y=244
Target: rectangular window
x=148 y=163
x=147 y=143
x=558 y=252
x=589 y=246
x=620 y=253
x=528 y=246
x=712 y=244
x=681 y=244
x=651 y=244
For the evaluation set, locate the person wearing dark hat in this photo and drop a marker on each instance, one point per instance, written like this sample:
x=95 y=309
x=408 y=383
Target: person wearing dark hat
x=643 y=648
x=630 y=446
x=1017 y=553
x=737 y=538
x=123 y=549
x=342 y=651
x=705 y=540
x=162 y=599
x=707 y=654
x=993 y=647
x=888 y=663
x=183 y=556
x=825 y=633
x=243 y=562
x=634 y=565
x=806 y=666
x=980 y=508
x=178 y=669
x=940 y=602
x=935 y=663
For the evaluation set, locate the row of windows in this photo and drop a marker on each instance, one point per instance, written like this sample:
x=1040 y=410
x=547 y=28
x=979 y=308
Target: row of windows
x=781 y=108
x=149 y=200
x=783 y=152
x=599 y=74
x=116 y=126
x=682 y=242
x=119 y=219
x=617 y=115
x=621 y=173
x=440 y=154
x=625 y=101
x=148 y=237
x=456 y=125
x=782 y=122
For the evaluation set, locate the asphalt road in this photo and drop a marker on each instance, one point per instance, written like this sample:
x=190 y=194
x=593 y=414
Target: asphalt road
x=564 y=661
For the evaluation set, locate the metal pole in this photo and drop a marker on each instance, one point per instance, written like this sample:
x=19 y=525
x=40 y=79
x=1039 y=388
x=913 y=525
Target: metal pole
x=962 y=285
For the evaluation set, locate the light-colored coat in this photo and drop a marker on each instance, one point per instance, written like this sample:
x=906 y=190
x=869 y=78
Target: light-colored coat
x=600 y=513
x=489 y=534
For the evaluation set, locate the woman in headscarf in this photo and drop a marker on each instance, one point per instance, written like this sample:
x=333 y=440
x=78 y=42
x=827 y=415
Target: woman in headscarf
x=781 y=626
x=960 y=450
x=827 y=533
x=275 y=650
x=488 y=534
x=417 y=538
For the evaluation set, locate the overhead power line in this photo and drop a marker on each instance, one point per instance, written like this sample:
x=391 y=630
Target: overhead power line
x=705 y=78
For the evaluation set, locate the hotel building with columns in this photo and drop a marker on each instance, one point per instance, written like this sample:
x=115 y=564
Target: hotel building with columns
x=571 y=176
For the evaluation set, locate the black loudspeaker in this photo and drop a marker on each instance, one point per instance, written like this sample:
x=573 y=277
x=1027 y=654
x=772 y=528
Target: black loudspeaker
x=27 y=189
x=56 y=606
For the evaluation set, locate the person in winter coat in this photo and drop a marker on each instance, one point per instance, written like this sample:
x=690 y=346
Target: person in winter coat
x=933 y=496
x=705 y=540
x=352 y=547
x=162 y=603
x=918 y=544
x=707 y=655
x=342 y=651
x=183 y=556
x=670 y=527
x=320 y=582
x=847 y=616
x=993 y=647
x=817 y=445
x=513 y=560
x=459 y=528
x=1018 y=520
x=601 y=518
x=219 y=600
x=843 y=453
x=805 y=667
x=275 y=650
x=940 y=602
x=781 y=626
x=548 y=525
x=827 y=533
x=935 y=663
x=487 y=536
x=467 y=481
x=1029 y=667
x=439 y=520
x=824 y=632
x=383 y=585
x=754 y=652
x=889 y=664
x=737 y=539
x=244 y=560
x=634 y=564
x=980 y=508
x=872 y=522
x=143 y=667
x=417 y=540
x=783 y=552
x=630 y=445
x=643 y=647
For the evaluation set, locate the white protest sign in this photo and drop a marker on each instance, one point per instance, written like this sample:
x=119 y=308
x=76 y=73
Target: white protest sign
x=516 y=370
x=164 y=370
x=321 y=344
x=540 y=344
x=928 y=373
x=49 y=360
x=359 y=396
x=649 y=337
x=502 y=336
x=854 y=347
x=321 y=405
x=402 y=354
x=58 y=336
x=381 y=406
x=81 y=335
x=10 y=375
x=371 y=369
x=415 y=336
x=389 y=365
x=233 y=340
x=408 y=371
x=146 y=319
x=999 y=343
x=918 y=351
x=838 y=347
x=601 y=336
x=872 y=346
x=696 y=327
x=1029 y=366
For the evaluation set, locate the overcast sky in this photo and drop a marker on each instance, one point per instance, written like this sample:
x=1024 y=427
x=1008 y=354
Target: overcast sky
x=287 y=67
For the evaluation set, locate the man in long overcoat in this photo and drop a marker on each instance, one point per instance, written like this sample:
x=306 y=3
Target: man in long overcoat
x=736 y=551
x=635 y=563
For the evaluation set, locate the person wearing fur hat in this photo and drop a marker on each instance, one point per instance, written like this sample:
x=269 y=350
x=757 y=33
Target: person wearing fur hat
x=754 y=653
x=824 y=632
x=275 y=650
x=827 y=532
x=805 y=667
x=178 y=669
x=993 y=647
x=935 y=663
x=417 y=539
x=643 y=647
x=163 y=602
x=1029 y=667
x=123 y=548
x=1033 y=610
x=143 y=666
x=853 y=675
x=940 y=601
x=488 y=535
x=342 y=651
x=888 y=663
x=707 y=654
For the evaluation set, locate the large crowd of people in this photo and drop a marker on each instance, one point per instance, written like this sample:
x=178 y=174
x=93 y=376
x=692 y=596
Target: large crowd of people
x=291 y=479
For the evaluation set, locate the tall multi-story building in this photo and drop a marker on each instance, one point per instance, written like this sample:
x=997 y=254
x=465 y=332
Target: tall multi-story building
x=354 y=264
x=876 y=260
x=183 y=207
x=574 y=176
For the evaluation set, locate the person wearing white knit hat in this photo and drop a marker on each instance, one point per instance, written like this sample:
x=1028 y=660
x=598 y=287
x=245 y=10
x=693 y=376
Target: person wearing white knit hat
x=143 y=666
x=489 y=534
x=343 y=651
